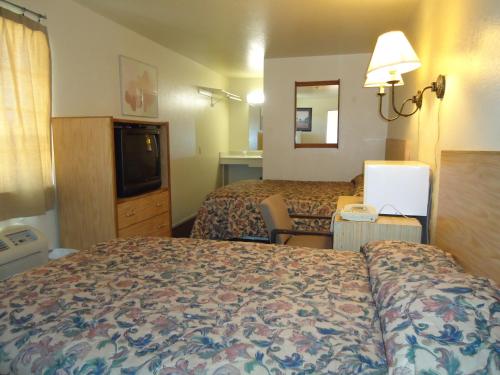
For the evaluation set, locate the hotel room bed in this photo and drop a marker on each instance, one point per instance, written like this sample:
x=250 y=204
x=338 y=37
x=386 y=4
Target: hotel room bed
x=186 y=306
x=233 y=211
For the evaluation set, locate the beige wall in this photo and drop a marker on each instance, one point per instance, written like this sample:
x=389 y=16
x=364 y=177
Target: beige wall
x=85 y=49
x=361 y=132
x=239 y=111
x=465 y=46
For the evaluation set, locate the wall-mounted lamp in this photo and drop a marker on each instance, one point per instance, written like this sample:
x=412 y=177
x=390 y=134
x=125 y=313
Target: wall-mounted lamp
x=392 y=57
x=216 y=95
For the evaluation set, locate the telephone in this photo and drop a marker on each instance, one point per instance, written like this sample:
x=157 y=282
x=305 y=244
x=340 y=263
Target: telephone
x=359 y=212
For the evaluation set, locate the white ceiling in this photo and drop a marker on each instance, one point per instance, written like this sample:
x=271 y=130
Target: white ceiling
x=233 y=36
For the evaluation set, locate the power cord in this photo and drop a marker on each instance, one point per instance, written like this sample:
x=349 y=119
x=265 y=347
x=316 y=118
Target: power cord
x=438 y=134
x=418 y=135
x=394 y=208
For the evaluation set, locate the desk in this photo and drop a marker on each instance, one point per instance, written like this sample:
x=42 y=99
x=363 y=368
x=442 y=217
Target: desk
x=351 y=235
x=244 y=159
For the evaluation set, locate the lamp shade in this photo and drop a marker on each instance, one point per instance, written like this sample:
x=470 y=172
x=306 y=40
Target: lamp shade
x=381 y=80
x=393 y=54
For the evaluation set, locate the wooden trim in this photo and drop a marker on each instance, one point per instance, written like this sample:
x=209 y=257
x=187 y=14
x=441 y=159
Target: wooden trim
x=317 y=83
x=469 y=210
x=113 y=172
x=397 y=149
x=167 y=131
x=316 y=145
x=80 y=117
x=140 y=122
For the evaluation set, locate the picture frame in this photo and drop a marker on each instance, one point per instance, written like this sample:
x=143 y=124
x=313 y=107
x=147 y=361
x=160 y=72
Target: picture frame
x=138 y=88
x=303 y=119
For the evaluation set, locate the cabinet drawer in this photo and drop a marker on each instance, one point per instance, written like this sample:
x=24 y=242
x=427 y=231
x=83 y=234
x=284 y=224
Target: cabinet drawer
x=155 y=226
x=135 y=210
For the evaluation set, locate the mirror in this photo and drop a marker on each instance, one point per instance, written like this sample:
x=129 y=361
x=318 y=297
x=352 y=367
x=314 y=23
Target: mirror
x=254 y=126
x=317 y=114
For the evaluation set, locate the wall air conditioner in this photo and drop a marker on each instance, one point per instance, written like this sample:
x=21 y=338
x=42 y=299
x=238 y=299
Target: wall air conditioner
x=21 y=247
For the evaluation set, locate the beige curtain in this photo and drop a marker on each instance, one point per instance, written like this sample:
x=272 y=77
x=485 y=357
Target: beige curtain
x=26 y=187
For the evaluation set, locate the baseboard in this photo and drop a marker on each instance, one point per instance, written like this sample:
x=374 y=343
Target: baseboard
x=184 y=220
x=183 y=229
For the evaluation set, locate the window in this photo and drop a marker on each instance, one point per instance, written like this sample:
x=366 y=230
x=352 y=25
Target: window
x=26 y=187
x=332 y=127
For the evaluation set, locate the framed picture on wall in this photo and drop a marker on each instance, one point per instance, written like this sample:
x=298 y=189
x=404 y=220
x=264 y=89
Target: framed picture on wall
x=138 y=88
x=303 y=119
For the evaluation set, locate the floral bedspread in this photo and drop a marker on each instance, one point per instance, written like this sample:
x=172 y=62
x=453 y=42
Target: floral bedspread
x=233 y=210
x=186 y=306
x=435 y=318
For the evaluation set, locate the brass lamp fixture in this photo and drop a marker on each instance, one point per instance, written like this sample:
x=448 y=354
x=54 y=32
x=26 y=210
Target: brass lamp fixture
x=392 y=57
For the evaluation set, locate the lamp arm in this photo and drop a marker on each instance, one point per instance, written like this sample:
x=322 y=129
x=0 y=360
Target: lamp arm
x=400 y=112
x=381 y=96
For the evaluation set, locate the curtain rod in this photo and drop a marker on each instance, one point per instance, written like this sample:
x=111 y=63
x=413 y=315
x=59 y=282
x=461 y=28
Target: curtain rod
x=26 y=10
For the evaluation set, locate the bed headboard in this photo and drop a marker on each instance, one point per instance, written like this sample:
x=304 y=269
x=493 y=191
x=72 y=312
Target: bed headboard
x=468 y=222
x=397 y=149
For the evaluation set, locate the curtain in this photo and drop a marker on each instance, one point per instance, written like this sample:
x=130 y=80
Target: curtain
x=26 y=186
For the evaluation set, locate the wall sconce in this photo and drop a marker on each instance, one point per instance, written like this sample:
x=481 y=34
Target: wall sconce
x=392 y=57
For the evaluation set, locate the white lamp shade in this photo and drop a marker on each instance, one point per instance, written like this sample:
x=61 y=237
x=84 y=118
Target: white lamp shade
x=381 y=80
x=393 y=54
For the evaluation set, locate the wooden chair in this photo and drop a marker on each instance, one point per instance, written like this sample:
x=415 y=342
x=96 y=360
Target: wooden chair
x=280 y=226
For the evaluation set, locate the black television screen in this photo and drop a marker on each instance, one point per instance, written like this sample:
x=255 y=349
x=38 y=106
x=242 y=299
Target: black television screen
x=138 y=166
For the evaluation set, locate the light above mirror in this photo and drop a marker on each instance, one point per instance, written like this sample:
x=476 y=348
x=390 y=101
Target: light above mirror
x=316 y=114
x=255 y=97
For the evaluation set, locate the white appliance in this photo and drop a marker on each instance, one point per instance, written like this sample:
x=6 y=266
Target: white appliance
x=397 y=187
x=359 y=212
x=21 y=247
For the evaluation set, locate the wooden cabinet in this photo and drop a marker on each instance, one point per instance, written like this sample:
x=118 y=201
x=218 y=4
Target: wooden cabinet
x=89 y=210
x=351 y=235
x=148 y=213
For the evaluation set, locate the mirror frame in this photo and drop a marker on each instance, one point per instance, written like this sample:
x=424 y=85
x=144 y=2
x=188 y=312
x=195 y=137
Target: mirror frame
x=316 y=145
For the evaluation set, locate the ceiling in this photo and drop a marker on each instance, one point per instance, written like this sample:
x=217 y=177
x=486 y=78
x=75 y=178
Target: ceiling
x=232 y=37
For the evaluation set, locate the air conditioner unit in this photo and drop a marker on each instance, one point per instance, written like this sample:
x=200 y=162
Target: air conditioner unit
x=21 y=247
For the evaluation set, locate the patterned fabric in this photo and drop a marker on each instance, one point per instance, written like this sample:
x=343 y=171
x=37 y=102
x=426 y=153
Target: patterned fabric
x=359 y=185
x=435 y=318
x=233 y=210
x=184 y=306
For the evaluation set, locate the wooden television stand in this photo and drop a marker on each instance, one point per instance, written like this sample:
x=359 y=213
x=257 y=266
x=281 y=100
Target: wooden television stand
x=88 y=207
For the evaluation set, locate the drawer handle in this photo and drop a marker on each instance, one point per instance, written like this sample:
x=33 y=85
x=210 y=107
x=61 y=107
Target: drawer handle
x=158 y=204
x=161 y=226
x=130 y=213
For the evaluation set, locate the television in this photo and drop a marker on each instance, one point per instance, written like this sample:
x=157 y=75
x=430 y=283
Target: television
x=137 y=155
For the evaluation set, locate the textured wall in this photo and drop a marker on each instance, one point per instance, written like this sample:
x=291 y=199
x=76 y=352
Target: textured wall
x=361 y=132
x=85 y=48
x=465 y=46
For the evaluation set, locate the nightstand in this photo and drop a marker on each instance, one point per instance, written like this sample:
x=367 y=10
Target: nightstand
x=351 y=235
